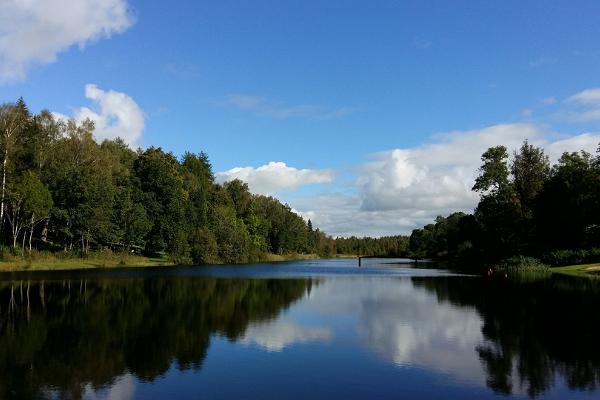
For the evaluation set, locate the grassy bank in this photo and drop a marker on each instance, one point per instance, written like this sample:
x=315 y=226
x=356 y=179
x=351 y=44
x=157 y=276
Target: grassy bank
x=43 y=261
x=57 y=261
x=288 y=257
x=586 y=270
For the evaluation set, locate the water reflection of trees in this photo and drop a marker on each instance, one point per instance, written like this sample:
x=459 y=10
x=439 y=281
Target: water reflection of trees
x=537 y=330
x=64 y=335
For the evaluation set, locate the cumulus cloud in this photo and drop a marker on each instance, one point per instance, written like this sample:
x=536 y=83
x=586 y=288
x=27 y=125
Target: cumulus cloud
x=402 y=189
x=266 y=108
x=340 y=214
x=588 y=96
x=587 y=106
x=276 y=177
x=115 y=114
x=34 y=32
x=437 y=175
x=276 y=335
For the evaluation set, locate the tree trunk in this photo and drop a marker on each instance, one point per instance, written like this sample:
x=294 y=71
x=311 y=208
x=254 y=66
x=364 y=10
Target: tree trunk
x=3 y=185
x=31 y=232
x=45 y=231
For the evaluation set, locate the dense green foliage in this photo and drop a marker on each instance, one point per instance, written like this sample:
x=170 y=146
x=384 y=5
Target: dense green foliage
x=63 y=191
x=386 y=246
x=527 y=207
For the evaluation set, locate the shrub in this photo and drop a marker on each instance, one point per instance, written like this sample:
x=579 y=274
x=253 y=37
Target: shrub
x=571 y=257
x=523 y=263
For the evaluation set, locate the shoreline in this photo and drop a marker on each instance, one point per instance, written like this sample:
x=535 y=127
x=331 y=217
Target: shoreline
x=121 y=261
x=581 y=270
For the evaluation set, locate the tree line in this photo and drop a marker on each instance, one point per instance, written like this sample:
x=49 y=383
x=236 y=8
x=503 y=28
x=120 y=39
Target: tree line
x=62 y=191
x=385 y=246
x=527 y=207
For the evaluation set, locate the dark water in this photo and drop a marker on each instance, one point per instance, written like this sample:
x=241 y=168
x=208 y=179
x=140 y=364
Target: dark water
x=318 y=330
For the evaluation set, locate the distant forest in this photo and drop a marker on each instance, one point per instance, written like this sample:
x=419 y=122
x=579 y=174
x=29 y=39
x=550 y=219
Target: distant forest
x=528 y=208
x=61 y=191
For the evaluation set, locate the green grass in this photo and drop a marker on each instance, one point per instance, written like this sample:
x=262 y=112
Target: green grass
x=585 y=270
x=288 y=257
x=46 y=261
x=43 y=261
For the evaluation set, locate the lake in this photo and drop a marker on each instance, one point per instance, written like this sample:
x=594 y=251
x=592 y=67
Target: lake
x=311 y=329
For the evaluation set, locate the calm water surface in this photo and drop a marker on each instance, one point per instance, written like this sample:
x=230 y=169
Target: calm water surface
x=313 y=329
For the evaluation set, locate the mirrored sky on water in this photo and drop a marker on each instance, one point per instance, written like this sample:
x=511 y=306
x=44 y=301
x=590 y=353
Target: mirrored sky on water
x=368 y=336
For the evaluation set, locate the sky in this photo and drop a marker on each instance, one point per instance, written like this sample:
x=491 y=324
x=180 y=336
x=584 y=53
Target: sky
x=368 y=117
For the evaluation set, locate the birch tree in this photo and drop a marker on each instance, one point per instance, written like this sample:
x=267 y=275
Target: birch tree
x=29 y=202
x=12 y=119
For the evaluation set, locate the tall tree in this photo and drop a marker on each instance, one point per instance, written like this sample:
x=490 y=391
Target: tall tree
x=493 y=174
x=497 y=211
x=159 y=178
x=13 y=119
x=530 y=169
x=29 y=202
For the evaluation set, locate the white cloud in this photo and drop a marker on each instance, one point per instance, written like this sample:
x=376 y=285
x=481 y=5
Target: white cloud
x=585 y=141
x=549 y=100
x=406 y=188
x=34 y=32
x=526 y=113
x=438 y=175
x=587 y=104
x=278 y=334
x=276 y=177
x=588 y=96
x=266 y=108
x=339 y=214
x=116 y=115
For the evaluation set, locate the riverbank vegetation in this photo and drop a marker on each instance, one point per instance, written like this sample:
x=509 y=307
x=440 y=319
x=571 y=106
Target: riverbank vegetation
x=64 y=196
x=545 y=214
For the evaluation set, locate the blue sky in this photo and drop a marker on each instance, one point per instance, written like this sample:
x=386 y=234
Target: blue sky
x=367 y=116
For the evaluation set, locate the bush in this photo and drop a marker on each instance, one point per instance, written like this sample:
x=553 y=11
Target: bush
x=180 y=250
x=204 y=248
x=5 y=252
x=522 y=263
x=572 y=257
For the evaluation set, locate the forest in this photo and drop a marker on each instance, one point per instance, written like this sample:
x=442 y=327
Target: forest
x=62 y=192
x=530 y=212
